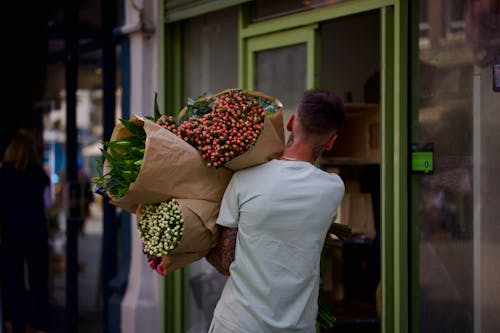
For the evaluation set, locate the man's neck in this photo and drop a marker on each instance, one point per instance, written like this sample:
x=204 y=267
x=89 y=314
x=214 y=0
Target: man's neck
x=298 y=152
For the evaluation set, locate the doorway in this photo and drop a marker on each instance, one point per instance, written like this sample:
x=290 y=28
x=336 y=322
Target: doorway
x=350 y=67
x=341 y=55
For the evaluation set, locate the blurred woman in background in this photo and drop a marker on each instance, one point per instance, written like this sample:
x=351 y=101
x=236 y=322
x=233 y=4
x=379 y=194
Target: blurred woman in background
x=24 y=245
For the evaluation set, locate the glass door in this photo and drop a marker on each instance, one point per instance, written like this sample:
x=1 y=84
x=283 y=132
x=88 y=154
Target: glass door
x=455 y=202
x=350 y=66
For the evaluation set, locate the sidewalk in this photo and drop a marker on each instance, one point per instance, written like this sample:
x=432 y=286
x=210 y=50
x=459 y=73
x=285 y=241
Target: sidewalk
x=89 y=291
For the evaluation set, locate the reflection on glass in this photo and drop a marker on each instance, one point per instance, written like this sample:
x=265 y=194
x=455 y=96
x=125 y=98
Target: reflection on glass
x=281 y=72
x=457 y=215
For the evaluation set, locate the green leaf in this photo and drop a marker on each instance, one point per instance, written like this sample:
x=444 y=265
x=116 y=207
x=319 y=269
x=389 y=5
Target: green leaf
x=106 y=154
x=157 y=113
x=118 y=144
x=133 y=128
x=340 y=230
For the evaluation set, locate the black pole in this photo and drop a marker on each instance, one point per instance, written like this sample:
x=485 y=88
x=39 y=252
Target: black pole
x=74 y=211
x=110 y=220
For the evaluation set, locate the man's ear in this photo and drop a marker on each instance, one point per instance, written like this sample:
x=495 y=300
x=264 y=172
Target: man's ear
x=289 y=126
x=330 y=142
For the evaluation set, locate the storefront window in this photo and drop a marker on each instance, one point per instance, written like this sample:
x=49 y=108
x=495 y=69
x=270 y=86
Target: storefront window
x=456 y=205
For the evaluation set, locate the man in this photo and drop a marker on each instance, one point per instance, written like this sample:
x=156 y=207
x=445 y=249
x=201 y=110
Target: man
x=275 y=218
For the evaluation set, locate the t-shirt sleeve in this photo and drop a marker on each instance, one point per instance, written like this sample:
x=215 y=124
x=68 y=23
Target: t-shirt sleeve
x=229 y=213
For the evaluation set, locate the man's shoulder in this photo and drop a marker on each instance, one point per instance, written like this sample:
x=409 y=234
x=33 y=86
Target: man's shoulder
x=331 y=176
x=329 y=181
x=254 y=169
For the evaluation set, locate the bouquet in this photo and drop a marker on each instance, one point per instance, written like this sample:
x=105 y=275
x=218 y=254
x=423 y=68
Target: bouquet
x=177 y=232
x=162 y=168
x=234 y=128
x=173 y=174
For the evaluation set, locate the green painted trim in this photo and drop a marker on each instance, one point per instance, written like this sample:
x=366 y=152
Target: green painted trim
x=301 y=35
x=387 y=169
x=173 y=69
x=203 y=7
x=186 y=292
x=313 y=16
x=401 y=165
x=176 y=318
x=395 y=248
x=178 y=301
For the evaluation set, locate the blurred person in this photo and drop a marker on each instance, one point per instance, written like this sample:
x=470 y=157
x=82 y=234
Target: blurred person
x=24 y=245
x=274 y=219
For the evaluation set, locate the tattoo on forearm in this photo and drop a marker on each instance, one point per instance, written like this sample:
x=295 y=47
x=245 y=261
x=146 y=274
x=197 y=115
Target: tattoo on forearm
x=222 y=255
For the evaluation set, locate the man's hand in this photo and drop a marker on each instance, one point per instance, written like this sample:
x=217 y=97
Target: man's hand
x=222 y=254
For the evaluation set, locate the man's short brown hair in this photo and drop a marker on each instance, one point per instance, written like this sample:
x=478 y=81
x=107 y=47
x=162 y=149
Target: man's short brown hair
x=320 y=112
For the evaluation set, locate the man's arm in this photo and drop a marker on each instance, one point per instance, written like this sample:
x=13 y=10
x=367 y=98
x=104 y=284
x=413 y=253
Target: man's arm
x=222 y=255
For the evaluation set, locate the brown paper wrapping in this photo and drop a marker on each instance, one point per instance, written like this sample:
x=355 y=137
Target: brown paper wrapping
x=171 y=169
x=270 y=142
x=198 y=236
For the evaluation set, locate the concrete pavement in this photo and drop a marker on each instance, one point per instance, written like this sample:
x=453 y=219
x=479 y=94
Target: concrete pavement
x=89 y=291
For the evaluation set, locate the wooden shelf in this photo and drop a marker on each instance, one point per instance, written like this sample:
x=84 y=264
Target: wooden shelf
x=359 y=138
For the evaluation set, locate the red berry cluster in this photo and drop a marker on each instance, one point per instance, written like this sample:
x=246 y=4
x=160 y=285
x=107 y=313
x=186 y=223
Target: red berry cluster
x=167 y=122
x=225 y=133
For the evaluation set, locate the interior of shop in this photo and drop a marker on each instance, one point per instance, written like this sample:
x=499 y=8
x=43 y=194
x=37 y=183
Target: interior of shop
x=350 y=66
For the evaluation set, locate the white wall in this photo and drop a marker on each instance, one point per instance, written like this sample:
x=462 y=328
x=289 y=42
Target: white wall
x=141 y=307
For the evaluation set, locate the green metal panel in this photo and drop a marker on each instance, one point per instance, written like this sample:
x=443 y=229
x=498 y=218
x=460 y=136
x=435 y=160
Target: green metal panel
x=400 y=161
x=301 y=35
x=394 y=169
x=177 y=10
x=173 y=69
x=175 y=304
x=313 y=16
x=387 y=169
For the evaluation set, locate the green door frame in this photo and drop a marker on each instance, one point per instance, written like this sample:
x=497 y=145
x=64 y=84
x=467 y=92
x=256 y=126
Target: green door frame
x=175 y=286
x=394 y=165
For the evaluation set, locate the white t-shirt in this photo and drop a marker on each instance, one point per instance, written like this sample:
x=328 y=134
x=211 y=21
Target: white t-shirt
x=283 y=210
